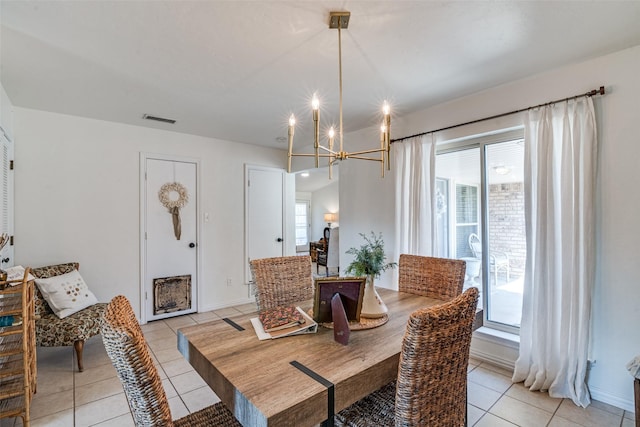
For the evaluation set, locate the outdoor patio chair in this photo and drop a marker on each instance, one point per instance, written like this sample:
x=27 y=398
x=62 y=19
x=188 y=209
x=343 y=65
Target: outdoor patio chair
x=498 y=261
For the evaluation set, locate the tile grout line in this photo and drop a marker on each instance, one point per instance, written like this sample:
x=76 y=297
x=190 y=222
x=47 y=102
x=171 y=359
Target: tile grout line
x=497 y=400
x=73 y=382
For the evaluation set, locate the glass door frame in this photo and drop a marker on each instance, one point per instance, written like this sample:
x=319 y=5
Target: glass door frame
x=481 y=142
x=307 y=203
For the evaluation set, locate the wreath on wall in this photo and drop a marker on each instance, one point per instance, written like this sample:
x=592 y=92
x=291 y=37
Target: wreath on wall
x=174 y=204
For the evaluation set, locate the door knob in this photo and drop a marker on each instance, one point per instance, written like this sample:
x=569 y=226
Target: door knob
x=192 y=245
x=279 y=239
x=5 y=259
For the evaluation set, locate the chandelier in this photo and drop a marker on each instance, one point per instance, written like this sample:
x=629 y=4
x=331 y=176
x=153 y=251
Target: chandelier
x=340 y=20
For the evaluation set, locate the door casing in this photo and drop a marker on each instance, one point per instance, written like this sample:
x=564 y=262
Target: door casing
x=252 y=208
x=193 y=198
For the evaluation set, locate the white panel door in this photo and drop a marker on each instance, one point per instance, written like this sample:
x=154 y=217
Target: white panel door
x=265 y=213
x=164 y=254
x=6 y=198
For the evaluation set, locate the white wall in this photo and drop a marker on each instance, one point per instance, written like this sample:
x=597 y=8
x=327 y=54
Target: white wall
x=77 y=199
x=323 y=201
x=366 y=205
x=366 y=201
x=6 y=113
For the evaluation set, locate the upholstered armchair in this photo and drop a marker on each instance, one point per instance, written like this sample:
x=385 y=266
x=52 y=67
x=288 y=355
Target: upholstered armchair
x=75 y=329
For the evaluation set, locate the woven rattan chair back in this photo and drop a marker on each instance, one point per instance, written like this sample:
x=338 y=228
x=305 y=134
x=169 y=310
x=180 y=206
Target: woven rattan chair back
x=282 y=281
x=440 y=278
x=127 y=348
x=432 y=376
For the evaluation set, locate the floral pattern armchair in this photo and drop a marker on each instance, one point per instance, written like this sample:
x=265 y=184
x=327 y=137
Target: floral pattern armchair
x=51 y=331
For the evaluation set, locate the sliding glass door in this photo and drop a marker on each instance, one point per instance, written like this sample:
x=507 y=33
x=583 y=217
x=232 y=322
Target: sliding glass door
x=480 y=188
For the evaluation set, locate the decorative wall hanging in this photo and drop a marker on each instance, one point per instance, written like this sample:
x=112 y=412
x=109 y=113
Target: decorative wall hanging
x=171 y=294
x=174 y=196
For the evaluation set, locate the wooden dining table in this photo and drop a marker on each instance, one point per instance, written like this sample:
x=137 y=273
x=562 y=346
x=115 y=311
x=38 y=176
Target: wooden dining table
x=297 y=380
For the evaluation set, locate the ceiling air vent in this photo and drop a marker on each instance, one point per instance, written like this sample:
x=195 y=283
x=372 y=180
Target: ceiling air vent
x=158 y=119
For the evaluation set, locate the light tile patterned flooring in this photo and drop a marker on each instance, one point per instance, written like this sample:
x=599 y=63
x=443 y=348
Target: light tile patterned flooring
x=95 y=397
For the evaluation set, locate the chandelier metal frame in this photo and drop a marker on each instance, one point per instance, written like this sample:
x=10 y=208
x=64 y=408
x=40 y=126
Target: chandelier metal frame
x=340 y=20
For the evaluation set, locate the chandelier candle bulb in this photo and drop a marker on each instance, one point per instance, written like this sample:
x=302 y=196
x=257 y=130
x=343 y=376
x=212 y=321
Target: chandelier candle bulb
x=340 y=20
x=332 y=134
x=386 y=110
x=292 y=124
x=315 y=106
x=383 y=147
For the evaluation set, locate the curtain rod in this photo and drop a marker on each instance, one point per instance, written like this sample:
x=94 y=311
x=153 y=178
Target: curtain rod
x=590 y=93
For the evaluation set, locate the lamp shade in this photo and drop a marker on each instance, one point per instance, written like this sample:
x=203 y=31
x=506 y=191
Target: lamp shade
x=330 y=217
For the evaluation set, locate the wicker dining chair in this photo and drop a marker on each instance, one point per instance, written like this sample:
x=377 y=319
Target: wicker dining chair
x=127 y=348
x=282 y=281
x=431 y=389
x=440 y=278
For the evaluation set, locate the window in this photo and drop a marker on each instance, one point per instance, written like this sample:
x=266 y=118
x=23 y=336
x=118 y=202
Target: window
x=302 y=226
x=467 y=218
x=485 y=177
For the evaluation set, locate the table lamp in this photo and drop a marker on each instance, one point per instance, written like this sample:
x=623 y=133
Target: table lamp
x=330 y=217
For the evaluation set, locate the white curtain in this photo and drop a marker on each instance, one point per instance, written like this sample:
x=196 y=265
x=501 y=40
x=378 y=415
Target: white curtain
x=414 y=168
x=560 y=173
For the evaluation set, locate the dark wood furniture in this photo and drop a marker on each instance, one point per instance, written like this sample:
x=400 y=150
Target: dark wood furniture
x=314 y=247
x=323 y=255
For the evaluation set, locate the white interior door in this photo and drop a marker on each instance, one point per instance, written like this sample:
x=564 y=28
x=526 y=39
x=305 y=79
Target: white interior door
x=265 y=214
x=6 y=198
x=170 y=253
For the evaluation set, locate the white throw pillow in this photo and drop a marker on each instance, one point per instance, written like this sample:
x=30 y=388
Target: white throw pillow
x=66 y=293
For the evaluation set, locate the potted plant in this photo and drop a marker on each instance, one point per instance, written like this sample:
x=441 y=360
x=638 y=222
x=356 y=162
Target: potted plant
x=370 y=261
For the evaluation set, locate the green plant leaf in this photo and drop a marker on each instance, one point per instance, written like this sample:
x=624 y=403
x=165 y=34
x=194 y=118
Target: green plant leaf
x=370 y=259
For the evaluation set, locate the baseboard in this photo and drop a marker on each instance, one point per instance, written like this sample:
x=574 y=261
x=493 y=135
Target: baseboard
x=611 y=399
x=492 y=347
x=501 y=362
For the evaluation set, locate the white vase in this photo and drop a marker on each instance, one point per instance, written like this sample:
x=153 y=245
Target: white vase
x=372 y=305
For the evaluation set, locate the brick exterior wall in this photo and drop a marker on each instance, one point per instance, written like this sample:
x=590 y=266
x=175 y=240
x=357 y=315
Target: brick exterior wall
x=506 y=223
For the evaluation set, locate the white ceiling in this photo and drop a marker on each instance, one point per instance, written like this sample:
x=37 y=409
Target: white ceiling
x=317 y=178
x=236 y=70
